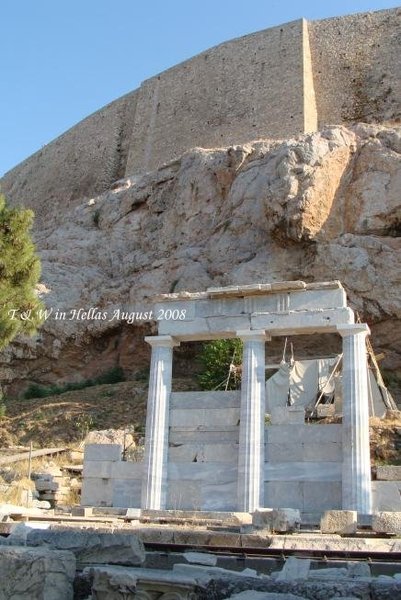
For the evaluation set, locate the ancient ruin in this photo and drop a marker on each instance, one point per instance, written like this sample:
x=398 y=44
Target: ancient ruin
x=213 y=450
x=259 y=175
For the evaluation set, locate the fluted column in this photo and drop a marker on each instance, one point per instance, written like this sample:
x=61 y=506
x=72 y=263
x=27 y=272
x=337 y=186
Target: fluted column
x=251 y=437
x=154 y=484
x=356 y=475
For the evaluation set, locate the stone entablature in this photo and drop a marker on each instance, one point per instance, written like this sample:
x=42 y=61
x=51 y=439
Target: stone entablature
x=279 y=308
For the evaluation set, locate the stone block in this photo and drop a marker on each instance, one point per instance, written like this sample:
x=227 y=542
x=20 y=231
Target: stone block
x=45 y=485
x=97 y=468
x=284 y=493
x=339 y=521
x=207 y=436
x=283 y=415
x=386 y=496
x=388 y=473
x=326 y=452
x=210 y=399
x=223 y=306
x=289 y=451
x=321 y=495
x=104 y=452
x=133 y=513
x=332 y=573
x=204 y=453
x=210 y=417
x=127 y=470
x=92 y=547
x=304 y=322
x=254 y=595
x=283 y=452
x=219 y=497
x=96 y=492
x=318 y=299
x=210 y=473
x=82 y=511
x=303 y=471
x=126 y=493
x=356 y=569
x=115 y=583
x=294 y=568
x=317 y=434
x=184 y=495
x=36 y=573
x=387 y=522
x=279 y=520
x=201 y=558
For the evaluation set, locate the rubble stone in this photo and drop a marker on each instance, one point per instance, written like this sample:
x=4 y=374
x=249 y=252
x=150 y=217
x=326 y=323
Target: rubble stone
x=91 y=547
x=36 y=574
x=280 y=520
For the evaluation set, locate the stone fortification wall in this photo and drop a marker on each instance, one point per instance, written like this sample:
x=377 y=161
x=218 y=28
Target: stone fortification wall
x=276 y=83
x=356 y=67
x=82 y=162
x=244 y=89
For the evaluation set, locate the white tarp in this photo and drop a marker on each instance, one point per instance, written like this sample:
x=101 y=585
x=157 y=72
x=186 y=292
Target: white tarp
x=302 y=383
x=299 y=384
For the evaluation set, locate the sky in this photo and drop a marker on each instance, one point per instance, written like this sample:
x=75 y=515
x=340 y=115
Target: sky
x=62 y=60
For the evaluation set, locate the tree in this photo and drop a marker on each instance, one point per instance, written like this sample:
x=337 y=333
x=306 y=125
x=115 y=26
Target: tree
x=221 y=362
x=20 y=307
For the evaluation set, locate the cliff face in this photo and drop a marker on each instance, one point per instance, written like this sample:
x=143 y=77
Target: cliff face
x=320 y=207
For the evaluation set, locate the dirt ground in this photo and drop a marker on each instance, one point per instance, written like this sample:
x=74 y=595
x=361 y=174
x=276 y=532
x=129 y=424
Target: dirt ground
x=65 y=419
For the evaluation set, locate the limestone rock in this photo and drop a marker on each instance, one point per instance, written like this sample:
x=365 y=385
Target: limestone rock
x=253 y=595
x=36 y=574
x=92 y=547
x=321 y=206
x=279 y=520
x=294 y=568
x=201 y=558
x=388 y=472
x=339 y=521
x=387 y=522
x=109 y=436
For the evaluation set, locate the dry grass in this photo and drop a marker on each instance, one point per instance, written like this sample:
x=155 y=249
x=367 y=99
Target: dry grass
x=65 y=419
x=16 y=491
x=385 y=439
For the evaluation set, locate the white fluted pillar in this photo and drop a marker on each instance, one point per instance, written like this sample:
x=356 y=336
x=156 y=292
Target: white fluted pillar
x=252 y=415
x=154 y=484
x=356 y=474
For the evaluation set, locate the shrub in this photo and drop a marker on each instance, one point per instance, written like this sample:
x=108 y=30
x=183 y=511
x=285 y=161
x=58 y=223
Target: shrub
x=216 y=358
x=114 y=375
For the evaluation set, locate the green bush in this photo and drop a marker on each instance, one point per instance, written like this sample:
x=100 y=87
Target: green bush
x=216 y=358
x=114 y=375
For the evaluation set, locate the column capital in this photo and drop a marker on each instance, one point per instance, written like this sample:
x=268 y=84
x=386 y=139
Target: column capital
x=161 y=341
x=253 y=335
x=353 y=329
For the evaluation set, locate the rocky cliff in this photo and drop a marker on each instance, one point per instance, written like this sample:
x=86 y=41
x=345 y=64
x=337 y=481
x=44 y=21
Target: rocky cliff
x=320 y=207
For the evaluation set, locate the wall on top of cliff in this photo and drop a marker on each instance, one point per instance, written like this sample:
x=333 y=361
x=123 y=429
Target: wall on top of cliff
x=357 y=67
x=84 y=161
x=247 y=88
x=273 y=84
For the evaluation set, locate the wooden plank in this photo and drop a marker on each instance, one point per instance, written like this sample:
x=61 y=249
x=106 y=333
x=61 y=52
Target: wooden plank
x=7 y=460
